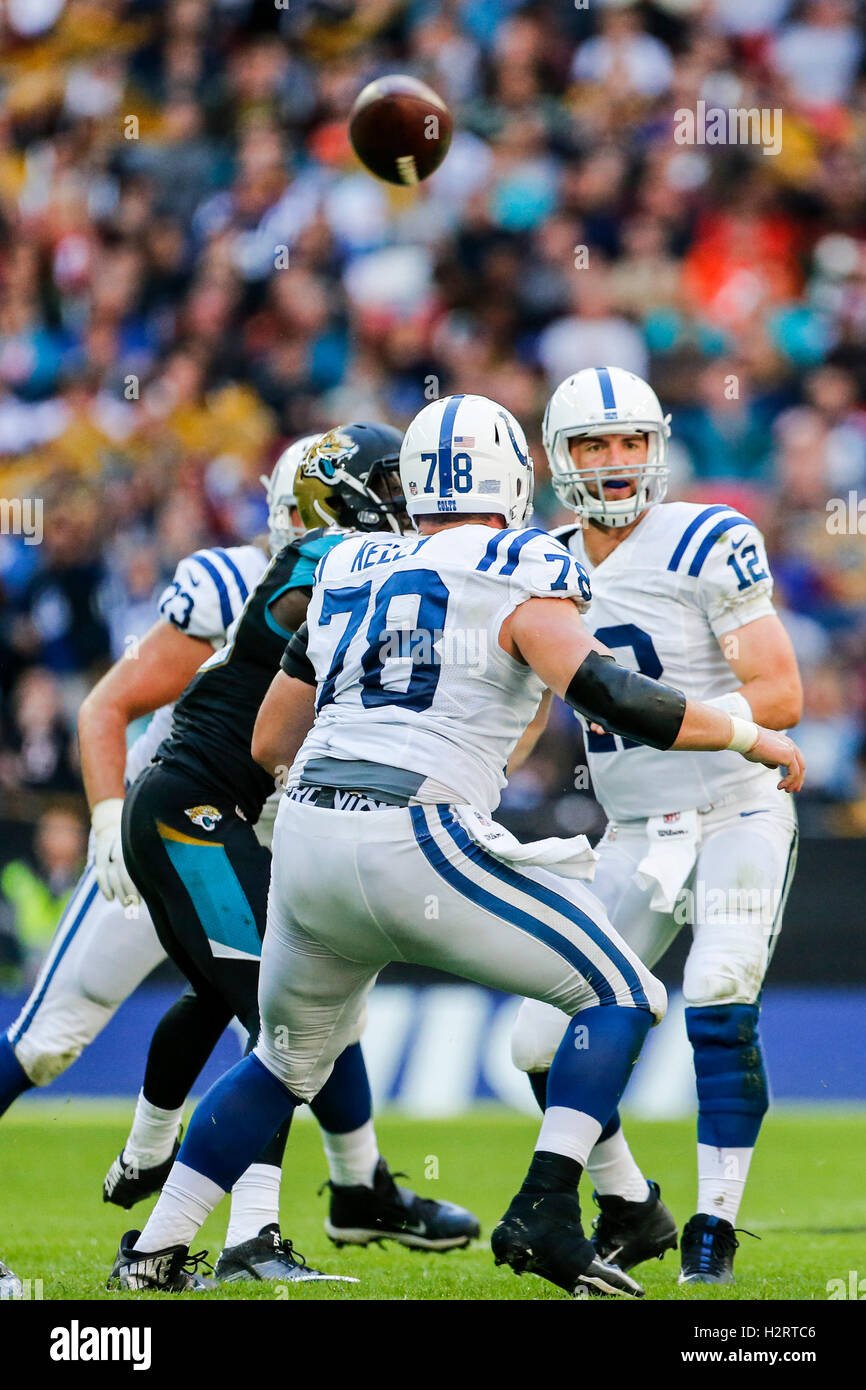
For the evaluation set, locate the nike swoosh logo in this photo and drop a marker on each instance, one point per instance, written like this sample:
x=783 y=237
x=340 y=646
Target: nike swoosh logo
x=417 y=1229
x=753 y=813
x=735 y=545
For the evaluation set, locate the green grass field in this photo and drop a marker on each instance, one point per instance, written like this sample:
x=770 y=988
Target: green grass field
x=805 y=1199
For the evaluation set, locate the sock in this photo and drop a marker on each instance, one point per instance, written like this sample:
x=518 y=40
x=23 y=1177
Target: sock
x=153 y=1133
x=732 y=1101
x=729 y=1070
x=595 y=1058
x=185 y=1202
x=273 y=1152
x=611 y=1127
x=344 y=1103
x=14 y=1080
x=568 y=1132
x=722 y=1177
x=255 y=1203
x=230 y=1128
x=235 y=1120
x=613 y=1170
x=551 y=1172
x=538 y=1082
x=182 y=1041
x=352 y=1157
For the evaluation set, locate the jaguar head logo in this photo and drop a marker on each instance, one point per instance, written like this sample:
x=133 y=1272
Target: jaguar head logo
x=322 y=457
x=208 y=817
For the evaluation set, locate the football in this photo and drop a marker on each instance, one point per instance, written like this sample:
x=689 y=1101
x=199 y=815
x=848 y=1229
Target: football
x=400 y=129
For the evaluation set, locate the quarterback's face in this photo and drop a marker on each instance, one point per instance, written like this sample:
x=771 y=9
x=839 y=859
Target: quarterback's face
x=612 y=453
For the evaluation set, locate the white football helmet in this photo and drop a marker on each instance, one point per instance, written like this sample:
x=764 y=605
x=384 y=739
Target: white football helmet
x=598 y=401
x=466 y=454
x=280 y=488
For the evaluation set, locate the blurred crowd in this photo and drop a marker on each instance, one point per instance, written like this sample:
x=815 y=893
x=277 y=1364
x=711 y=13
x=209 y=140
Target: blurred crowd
x=194 y=269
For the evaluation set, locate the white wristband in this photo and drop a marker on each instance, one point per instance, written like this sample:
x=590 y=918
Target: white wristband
x=734 y=702
x=106 y=812
x=744 y=736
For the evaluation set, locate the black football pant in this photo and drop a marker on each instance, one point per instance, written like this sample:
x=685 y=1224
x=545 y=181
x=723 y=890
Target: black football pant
x=204 y=877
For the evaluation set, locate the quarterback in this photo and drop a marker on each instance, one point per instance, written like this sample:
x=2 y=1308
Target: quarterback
x=682 y=593
x=397 y=728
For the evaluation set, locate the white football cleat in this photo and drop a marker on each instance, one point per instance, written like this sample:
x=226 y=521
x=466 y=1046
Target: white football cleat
x=10 y=1284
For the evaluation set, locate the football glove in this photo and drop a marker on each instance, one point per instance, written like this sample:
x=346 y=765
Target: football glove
x=111 y=872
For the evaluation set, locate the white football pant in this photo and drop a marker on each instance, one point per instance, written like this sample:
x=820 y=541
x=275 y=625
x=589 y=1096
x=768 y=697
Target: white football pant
x=353 y=890
x=733 y=899
x=97 y=958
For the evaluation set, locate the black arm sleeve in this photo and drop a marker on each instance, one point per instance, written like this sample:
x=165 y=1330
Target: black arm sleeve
x=295 y=661
x=625 y=702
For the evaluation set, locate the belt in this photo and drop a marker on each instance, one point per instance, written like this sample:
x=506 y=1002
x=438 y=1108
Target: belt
x=346 y=799
x=726 y=800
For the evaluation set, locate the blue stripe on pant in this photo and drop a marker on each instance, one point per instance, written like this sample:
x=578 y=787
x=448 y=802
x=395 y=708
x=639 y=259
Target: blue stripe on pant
x=76 y=910
x=509 y=912
x=550 y=899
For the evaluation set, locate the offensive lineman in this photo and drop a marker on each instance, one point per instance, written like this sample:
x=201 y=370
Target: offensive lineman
x=106 y=944
x=387 y=813
x=189 y=844
x=683 y=592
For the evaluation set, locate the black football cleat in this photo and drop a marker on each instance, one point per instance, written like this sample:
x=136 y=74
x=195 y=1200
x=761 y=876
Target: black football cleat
x=10 y=1284
x=125 y=1183
x=541 y=1233
x=707 y=1246
x=359 y=1215
x=268 y=1256
x=173 y=1270
x=627 y=1233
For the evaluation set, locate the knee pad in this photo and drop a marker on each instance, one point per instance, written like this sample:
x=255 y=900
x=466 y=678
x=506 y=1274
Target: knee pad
x=714 y=978
x=727 y=962
x=57 y=1037
x=537 y=1033
x=729 y=1068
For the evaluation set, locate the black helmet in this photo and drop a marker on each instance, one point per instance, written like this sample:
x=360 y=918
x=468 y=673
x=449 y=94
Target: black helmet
x=350 y=477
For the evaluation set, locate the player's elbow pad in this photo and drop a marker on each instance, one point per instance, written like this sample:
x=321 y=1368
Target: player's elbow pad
x=626 y=702
x=295 y=661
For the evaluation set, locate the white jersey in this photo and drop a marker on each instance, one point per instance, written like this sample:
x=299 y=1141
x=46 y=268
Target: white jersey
x=206 y=596
x=686 y=577
x=404 y=639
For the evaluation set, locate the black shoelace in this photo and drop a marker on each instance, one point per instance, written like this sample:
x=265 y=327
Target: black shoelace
x=192 y=1262
x=295 y=1256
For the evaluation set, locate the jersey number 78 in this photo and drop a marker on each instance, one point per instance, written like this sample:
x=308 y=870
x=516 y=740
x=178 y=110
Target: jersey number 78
x=355 y=600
